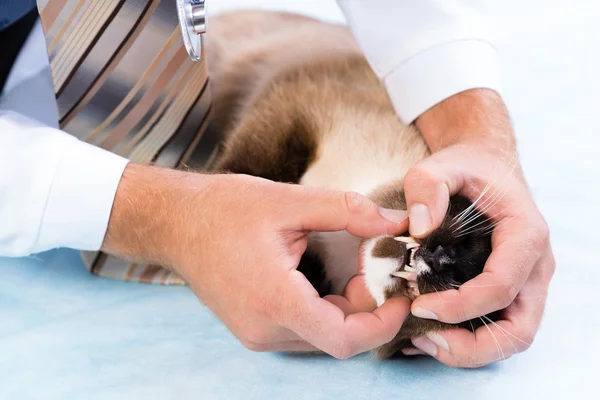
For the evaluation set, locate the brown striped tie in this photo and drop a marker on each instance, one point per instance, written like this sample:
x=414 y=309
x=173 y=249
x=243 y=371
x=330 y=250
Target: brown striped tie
x=124 y=82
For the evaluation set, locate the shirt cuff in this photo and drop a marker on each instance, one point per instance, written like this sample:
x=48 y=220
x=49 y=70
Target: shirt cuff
x=80 y=202
x=441 y=72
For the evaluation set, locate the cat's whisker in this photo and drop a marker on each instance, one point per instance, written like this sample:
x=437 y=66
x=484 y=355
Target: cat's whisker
x=487 y=208
x=474 y=286
x=482 y=233
x=473 y=214
x=489 y=229
x=498 y=347
x=465 y=217
x=462 y=227
x=495 y=199
x=505 y=331
x=454 y=287
x=465 y=214
x=486 y=219
x=483 y=230
x=502 y=332
x=439 y=295
x=474 y=345
x=447 y=288
x=514 y=214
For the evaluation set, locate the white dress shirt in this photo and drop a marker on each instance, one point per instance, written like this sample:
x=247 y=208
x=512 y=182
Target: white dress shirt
x=56 y=191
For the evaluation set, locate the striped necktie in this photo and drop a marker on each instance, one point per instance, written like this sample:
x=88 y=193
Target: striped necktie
x=124 y=82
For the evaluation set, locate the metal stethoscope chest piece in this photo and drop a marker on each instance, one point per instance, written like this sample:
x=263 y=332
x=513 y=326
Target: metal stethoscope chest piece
x=192 y=21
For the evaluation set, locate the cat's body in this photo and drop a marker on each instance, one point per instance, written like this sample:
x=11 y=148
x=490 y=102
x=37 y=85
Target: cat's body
x=300 y=104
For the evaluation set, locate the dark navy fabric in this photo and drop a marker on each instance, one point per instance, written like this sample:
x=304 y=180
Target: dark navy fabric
x=13 y=10
x=17 y=18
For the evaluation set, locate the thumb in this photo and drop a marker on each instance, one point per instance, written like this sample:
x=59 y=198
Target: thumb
x=428 y=186
x=327 y=211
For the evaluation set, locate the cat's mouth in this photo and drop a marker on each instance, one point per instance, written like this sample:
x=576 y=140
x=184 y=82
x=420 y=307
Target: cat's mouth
x=408 y=272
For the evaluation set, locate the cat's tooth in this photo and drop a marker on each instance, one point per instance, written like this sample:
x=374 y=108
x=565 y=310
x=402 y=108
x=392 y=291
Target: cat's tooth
x=411 y=246
x=409 y=268
x=412 y=260
x=402 y=274
x=404 y=239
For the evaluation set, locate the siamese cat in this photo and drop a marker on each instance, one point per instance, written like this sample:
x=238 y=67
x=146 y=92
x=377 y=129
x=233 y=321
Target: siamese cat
x=297 y=102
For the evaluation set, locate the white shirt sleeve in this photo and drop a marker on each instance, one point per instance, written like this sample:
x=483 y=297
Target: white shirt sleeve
x=55 y=190
x=424 y=50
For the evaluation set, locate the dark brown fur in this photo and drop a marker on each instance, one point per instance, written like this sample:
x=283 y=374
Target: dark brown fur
x=389 y=247
x=278 y=136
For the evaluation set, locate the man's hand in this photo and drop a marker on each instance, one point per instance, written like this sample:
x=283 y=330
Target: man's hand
x=237 y=241
x=473 y=146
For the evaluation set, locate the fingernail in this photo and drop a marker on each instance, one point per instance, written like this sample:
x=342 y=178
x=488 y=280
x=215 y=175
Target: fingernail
x=413 y=352
x=439 y=340
x=423 y=313
x=424 y=344
x=395 y=216
x=420 y=219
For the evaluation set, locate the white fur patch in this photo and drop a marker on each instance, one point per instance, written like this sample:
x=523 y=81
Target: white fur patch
x=421 y=266
x=378 y=272
x=444 y=260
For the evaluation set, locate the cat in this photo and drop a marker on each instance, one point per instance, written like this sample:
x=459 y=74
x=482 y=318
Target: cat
x=297 y=102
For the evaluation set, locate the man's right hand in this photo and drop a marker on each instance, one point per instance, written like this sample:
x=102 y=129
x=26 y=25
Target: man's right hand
x=237 y=240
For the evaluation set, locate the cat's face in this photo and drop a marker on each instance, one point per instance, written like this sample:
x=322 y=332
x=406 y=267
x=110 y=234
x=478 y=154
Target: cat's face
x=453 y=254
x=450 y=256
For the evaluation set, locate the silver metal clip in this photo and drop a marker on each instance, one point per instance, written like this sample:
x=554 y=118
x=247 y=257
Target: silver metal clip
x=192 y=21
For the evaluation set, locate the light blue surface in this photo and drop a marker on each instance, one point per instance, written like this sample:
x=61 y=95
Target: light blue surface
x=66 y=334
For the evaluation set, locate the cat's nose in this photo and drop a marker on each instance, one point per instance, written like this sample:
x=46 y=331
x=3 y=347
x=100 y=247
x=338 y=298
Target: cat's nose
x=433 y=257
x=439 y=252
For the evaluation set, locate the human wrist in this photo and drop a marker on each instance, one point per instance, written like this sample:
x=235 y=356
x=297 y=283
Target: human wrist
x=149 y=212
x=476 y=116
